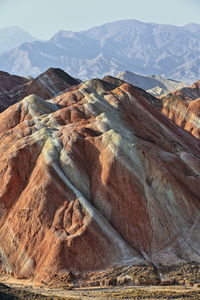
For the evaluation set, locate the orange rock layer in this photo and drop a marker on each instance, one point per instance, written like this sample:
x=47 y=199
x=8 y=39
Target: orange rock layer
x=95 y=177
x=183 y=108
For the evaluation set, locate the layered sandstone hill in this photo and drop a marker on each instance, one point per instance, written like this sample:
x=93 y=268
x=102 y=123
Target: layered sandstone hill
x=183 y=108
x=47 y=85
x=95 y=177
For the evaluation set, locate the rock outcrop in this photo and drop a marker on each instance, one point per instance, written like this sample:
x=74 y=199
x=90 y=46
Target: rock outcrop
x=94 y=177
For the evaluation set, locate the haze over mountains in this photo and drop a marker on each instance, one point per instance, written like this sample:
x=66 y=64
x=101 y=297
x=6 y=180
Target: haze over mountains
x=12 y=37
x=144 y=48
x=154 y=84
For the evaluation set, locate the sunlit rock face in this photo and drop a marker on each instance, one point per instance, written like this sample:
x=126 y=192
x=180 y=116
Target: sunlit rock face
x=183 y=108
x=46 y=85
x=94 y=177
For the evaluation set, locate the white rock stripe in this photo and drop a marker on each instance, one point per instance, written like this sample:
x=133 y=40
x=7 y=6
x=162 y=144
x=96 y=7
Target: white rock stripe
x=125 y=251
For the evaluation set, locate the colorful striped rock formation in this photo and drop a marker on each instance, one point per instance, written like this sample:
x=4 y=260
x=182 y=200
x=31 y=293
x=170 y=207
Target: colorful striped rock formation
x=47 y=85
x=95 y=177
x=183 y=108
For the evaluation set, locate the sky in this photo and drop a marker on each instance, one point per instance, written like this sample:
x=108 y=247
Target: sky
x=43 y=18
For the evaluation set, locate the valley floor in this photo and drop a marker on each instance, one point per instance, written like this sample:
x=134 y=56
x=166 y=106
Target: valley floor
x=23 y=289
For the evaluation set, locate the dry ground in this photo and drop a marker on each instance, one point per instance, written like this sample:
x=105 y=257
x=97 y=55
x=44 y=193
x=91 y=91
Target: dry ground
x=21 y=289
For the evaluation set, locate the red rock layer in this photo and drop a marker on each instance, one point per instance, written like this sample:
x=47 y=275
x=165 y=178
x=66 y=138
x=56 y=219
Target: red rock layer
x=185 y=113
x=183 y=108
x=8 y=82
x=94 y=177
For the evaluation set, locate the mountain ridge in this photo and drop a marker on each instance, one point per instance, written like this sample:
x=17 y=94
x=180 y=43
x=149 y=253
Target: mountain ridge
x=145 y=48
x=12 y=37
x=93 y=178
x=46 y=85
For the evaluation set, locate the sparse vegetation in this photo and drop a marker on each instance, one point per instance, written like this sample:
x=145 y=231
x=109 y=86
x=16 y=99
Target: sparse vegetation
x=8 y=293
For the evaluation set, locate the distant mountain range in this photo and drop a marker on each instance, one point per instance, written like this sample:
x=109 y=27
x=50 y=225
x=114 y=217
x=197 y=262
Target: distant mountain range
x=12 y=37
x=144 y=48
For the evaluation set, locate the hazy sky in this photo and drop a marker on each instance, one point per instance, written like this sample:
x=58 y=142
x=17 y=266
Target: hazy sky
x=43 y=18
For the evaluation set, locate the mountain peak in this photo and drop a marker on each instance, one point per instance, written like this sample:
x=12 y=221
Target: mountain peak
x=143 y=48
x=12 y=37
x=100 y=178
x=63 y=34
x=47 y=85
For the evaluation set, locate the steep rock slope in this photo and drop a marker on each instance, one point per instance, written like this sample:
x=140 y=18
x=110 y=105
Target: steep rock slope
x=145 y=48
x=8 y=82
x=95 y=177
x=46 y=85
x=50 y=83
x=183 y=108
x=153 y=84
